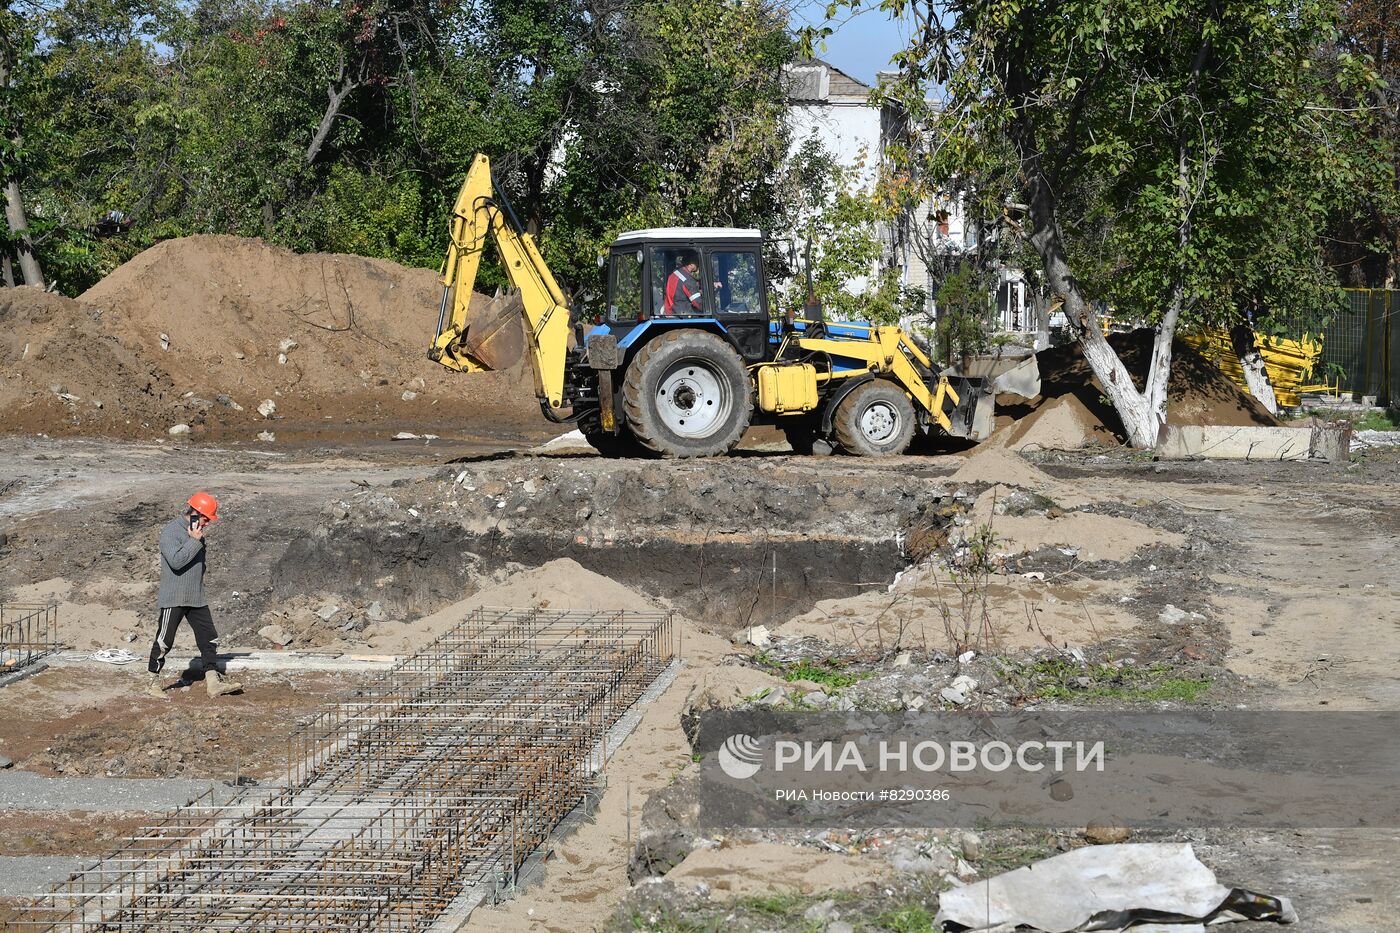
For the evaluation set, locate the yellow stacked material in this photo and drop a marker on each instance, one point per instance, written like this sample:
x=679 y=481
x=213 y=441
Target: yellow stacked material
x=1290 y=362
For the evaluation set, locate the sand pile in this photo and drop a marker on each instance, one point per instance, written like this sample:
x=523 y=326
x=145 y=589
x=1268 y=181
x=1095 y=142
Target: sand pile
x=990 y=463
x=924 y=611
x=1072 y=412
x=563 y=583
x=1092 y=535
x=202 y=330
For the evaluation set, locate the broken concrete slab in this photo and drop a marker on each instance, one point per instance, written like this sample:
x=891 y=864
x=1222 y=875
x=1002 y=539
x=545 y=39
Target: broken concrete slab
x=1219 y=442
x=1107 y=887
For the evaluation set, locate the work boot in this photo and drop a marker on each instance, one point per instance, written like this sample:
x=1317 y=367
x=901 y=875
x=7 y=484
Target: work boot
x=216 y=685
x=155 y=690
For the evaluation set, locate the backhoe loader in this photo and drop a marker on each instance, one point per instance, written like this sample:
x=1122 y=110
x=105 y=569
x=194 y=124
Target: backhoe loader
x=687 y=355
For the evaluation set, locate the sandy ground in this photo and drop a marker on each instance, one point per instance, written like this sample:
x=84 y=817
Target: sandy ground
x=1300 y=553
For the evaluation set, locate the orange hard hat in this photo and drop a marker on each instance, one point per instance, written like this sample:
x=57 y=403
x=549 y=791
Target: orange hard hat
x=205 y=505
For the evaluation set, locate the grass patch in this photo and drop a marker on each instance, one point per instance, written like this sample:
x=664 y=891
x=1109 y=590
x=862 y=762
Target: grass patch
x=1001 y=858
x=911 y=918
x=829 y=672
x=1384 y=419
x=775 y=905
x=1060 y=679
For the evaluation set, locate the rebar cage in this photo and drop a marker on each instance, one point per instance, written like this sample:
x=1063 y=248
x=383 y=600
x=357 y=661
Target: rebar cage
x=27 y=633
x=443 y=774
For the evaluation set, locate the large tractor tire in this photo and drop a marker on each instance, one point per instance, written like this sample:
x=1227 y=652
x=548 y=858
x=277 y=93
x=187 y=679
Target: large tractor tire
x=687 y=394
x=875 y=420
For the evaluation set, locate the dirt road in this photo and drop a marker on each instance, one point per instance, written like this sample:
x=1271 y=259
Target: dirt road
x=1284 y=574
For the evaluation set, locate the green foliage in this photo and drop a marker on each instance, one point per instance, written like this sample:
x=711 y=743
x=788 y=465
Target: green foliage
x=965 y=326
x=830 y=672
x=1192 y=148
x=347 y=124
x=910 y=918
x=836 y=216
x=1060 y=679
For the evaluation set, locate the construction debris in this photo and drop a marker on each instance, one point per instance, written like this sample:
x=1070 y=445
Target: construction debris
x=1109 y=887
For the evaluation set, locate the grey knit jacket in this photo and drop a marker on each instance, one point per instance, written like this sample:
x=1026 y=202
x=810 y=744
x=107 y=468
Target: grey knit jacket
x=181 y=567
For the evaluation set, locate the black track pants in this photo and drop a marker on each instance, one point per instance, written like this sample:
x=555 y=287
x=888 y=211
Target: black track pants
x=205 y=635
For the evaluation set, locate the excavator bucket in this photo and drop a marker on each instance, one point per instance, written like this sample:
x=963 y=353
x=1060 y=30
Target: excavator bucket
x=494 y=336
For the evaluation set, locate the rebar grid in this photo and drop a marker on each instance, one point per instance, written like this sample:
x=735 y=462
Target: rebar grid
x=444 y=773
x=27 y=633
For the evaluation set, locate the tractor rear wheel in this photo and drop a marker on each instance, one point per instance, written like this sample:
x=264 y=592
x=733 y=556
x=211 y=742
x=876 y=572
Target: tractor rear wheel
x=686 y=394
x=875 y=420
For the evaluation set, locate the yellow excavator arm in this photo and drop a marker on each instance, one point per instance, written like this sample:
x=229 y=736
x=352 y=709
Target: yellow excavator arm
x=458 y=344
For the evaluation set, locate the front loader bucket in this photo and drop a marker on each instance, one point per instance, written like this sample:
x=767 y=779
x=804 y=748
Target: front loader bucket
x=494 y=336
x=1023 y=379
x=974 y=415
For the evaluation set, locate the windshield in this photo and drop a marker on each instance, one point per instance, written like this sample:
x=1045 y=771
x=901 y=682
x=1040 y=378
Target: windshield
x=625 y=287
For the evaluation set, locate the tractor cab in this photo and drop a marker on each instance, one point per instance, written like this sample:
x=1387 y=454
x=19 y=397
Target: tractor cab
x=699 y=277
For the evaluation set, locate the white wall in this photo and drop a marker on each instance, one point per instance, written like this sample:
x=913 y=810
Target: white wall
x=849 y=131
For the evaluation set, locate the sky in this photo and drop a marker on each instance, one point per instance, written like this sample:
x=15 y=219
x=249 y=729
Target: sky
x=861 y=45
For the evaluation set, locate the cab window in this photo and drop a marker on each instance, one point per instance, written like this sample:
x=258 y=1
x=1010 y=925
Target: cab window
x=677 y=287
x=735 y=277
x=625 y=288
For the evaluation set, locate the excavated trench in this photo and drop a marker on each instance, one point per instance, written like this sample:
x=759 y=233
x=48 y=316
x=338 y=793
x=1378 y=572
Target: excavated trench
x=726 y=582
x=729 y=543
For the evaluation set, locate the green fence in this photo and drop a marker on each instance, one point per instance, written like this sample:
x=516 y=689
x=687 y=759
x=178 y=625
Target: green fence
x=1364 y=347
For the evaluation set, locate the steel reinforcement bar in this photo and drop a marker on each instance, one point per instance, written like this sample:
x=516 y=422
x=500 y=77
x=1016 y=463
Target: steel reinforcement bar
x=443 y=774
x=27 y=633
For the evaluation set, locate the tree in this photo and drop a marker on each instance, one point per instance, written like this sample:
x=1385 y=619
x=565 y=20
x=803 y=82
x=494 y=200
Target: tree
x=17 y=40
x=1135 y=147
x=1364 y=241
x=347 y=124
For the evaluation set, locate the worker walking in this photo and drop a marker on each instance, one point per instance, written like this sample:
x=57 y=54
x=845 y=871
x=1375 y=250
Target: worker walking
x=182 y=555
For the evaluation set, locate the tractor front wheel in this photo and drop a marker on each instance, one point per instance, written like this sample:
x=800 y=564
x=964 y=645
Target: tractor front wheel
x=687 y=394
x=875 y=420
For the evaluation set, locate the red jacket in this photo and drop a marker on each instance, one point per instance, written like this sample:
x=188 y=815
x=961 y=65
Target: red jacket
x=684 y=286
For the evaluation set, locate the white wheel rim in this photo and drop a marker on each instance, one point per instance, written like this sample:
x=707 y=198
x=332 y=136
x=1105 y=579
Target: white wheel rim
x=880 y=422
x=693 y=398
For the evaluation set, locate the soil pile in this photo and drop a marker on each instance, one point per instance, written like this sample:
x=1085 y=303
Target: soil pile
x=61 y=373
x=205 y=330
x=561 y=584
x=1071 y=411
x=995 y=464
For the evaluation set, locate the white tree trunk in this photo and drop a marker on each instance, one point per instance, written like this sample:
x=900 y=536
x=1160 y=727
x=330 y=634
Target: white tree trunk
x=14 y=201
x=1143 y=413
x=1140 y=417
x=19 y=228
x=1256 y=373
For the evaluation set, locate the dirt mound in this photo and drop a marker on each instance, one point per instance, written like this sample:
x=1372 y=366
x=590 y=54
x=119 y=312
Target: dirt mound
x=561 y=584
x=998 y=465
x=203 y=330
x=61 y=372
x=1071 y=410
x=1059 y=424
